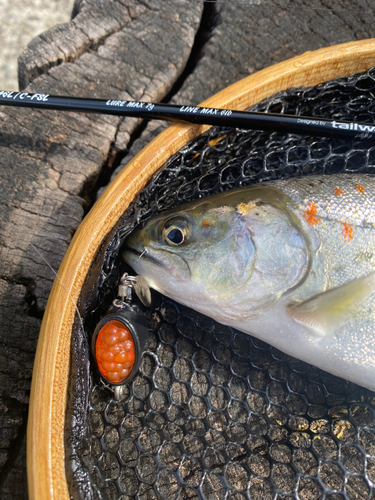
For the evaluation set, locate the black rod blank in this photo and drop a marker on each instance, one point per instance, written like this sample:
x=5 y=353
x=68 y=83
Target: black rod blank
x=272 y=122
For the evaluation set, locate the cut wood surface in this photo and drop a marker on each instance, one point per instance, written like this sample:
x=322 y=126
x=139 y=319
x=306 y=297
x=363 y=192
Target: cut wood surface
x=51 y=161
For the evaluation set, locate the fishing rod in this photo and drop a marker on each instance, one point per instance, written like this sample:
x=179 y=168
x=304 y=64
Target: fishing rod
x=272 y=122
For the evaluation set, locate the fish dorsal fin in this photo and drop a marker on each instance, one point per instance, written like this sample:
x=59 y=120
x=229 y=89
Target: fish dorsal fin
x=323 y=312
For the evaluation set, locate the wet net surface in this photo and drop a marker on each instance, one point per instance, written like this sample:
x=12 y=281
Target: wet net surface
x=215 y=414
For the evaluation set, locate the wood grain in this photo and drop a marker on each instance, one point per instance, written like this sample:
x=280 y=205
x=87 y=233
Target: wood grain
x=45 y=440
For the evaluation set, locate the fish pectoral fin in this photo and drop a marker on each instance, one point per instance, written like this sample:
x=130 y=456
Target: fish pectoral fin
x=142 y=290
x=325 y=311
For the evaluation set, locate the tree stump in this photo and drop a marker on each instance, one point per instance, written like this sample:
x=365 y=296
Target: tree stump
x=54 y=163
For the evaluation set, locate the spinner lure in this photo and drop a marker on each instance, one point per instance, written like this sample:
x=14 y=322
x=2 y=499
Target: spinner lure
x=120 y=337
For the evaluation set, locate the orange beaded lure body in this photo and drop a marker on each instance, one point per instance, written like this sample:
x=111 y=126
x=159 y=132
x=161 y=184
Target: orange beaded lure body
x=115 y=351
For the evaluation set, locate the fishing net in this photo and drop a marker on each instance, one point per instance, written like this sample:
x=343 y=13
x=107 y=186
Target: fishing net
x=213 y=413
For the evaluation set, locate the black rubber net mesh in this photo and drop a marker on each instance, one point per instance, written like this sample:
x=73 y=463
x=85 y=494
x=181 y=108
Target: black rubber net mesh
x=212 y=413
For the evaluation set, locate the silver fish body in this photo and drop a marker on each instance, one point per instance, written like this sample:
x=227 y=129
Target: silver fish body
x=291 y=262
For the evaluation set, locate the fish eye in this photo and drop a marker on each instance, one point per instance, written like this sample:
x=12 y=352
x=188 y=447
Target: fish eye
x=174 y=235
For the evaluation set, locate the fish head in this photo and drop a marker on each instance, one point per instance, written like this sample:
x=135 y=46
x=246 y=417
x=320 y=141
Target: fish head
x=220 y=257
x=191 y=254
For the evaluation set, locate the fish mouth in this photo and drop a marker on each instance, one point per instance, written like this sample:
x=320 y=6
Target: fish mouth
x=180 y=272
x=135 y=251
x=144 y=254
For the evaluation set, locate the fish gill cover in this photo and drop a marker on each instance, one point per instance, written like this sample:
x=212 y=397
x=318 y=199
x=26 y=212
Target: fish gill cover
x=214 y=413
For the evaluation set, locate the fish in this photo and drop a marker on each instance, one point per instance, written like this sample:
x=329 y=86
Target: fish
x=291 y=262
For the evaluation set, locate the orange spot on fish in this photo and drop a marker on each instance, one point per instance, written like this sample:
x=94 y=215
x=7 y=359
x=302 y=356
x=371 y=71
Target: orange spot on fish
x=206 y=223
x=347 y=231
x=338 y=191
x=310 y=214
x=244 y=208
x=360 y=188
